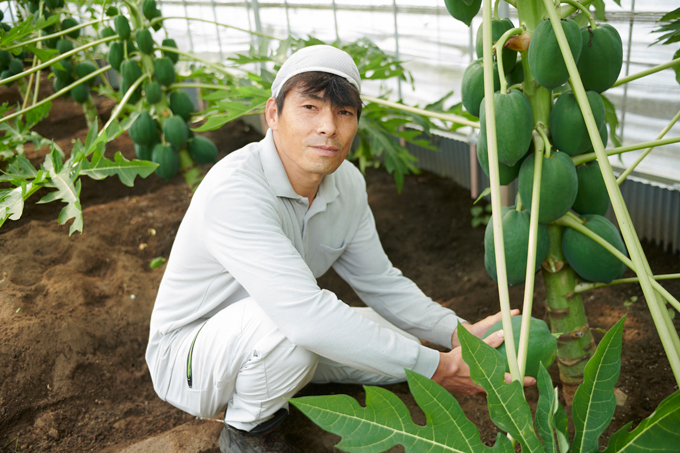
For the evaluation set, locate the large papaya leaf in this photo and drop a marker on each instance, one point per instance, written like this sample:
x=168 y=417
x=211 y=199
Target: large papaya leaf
x=507 y=407
x=100 y=167
x=545 y=409
x=657 y=433
x=594 y=401
x=386 y=422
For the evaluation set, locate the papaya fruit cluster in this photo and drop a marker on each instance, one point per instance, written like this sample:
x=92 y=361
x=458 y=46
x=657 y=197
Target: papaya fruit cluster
x=161 y=130
x=598 y=53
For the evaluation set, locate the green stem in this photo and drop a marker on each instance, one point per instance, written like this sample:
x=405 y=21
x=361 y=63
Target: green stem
x=585 y=11
x=158 y=19
x=527 y=305
x=496 y=204
x=123 y=102
x=495 y=10
x=57 y=94
x=659 y=313
x=442 y=116
x=547 y=147
x=581 y=287
x=646 y=152
x=583 y=158
x=566 y=11
x=647 y=72
x=193 y=57
x=499 y=52
x=57 y=58
x=190 y=172
x=54 y=35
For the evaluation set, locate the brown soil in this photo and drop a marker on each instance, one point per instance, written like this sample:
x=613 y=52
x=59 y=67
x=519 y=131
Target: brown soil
x=75 y=310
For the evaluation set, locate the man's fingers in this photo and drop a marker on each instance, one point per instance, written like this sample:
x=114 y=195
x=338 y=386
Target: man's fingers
x=495 y=339
x=528 y=381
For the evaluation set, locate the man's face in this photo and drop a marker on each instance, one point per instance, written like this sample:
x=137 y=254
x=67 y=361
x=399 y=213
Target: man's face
x=311 y=136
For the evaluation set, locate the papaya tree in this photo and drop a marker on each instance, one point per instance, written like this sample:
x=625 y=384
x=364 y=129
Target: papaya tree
x=537 y=124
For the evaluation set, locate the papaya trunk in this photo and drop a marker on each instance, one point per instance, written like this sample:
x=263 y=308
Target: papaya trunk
x=566 y=312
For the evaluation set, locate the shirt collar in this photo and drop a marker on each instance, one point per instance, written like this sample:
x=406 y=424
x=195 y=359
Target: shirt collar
x=278 y=179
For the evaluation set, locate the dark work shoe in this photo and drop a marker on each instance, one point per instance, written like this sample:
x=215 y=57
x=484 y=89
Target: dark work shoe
x=261 y=439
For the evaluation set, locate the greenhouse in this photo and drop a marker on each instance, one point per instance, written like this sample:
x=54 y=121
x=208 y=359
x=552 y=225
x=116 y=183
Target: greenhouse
x=329 y=225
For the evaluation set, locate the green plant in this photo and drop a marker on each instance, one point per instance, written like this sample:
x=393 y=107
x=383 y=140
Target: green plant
x=386 y=422
x=480 y=215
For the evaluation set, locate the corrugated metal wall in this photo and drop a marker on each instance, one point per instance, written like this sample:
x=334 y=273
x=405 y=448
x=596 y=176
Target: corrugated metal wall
x=654 y=208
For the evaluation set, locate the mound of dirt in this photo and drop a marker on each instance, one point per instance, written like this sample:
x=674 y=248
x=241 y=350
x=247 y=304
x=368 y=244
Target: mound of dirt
x=74 y=311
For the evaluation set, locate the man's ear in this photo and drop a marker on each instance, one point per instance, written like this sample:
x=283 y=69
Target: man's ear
x=271 y=113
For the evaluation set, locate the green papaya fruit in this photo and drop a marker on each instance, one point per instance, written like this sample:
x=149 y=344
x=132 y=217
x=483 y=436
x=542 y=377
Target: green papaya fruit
x=143 y=152
x=176 y=131
x=167 y=160
x=112 y=11
x=65 y=74
x=64 y=45
x=181 y=104
x=498 y=27
x=516 y=245
x=122 y=26
x=5 y=74
x=106 y=32
x=16 y=66
x=116 y=55
x=144 y=130
x=514 y=125
x=153 y=92
x=85 y=68
x=131 y=47
x=516 y=75
x=52 y=4
x=149 y=9
x=545 y=58
x=157 y=26
x=472 y=86
x=171 y=55
x=567 y=126
x=80 y=93
x=130 y=70
x=601 y=57
x=541 y=347
x=135 y=96
x=5 y=58
x=202 y=150
x=164 y=71
x=592 y=196
x=507 y=174
x=559 y=185
x=144 y=41
x=70 y=22
x=463 y=11
x=59 y=85
x=590 y=260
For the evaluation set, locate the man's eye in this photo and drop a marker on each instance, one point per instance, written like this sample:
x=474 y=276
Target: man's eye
x=346 y=112
x=308 y=106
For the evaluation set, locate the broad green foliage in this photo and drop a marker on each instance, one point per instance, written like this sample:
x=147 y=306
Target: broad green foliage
x=385 y=421
x=594 y=402
x=62 y=178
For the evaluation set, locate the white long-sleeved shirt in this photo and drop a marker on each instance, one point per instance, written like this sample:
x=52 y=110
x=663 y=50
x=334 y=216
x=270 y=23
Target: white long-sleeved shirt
x=247 y=233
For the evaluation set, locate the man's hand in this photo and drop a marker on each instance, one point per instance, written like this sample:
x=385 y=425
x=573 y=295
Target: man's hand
x=453 y=373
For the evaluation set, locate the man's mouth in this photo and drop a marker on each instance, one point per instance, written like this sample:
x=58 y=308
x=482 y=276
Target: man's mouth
x=326 y=150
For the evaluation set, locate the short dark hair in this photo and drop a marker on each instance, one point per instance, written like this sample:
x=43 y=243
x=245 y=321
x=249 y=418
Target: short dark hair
x=336 y=89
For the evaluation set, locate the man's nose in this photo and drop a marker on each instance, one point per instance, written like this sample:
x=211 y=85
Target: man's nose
x=326 y=125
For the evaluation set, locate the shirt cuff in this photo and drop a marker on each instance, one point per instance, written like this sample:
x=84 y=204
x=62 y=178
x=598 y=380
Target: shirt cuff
x=443 y=330
x=427 y=362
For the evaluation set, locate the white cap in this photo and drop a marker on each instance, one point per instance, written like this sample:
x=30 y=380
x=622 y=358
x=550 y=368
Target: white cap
x=320 y=58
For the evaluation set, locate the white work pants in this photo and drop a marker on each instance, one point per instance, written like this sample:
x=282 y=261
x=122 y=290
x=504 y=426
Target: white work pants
x=242 y=362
